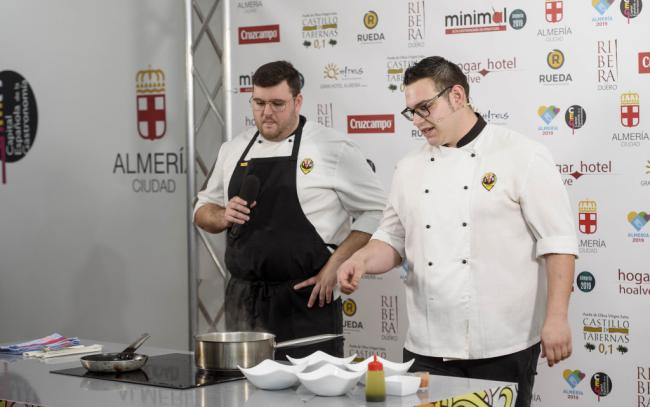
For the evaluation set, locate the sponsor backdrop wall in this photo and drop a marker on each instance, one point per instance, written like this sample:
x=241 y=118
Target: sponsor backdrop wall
x=572 y=75
x=92 y=171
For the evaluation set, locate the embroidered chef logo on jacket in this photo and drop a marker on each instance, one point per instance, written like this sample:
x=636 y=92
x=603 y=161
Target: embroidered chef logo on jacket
x=489 y=179
x=307 y=165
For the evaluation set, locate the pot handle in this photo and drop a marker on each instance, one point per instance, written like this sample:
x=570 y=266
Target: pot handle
x=307 y=340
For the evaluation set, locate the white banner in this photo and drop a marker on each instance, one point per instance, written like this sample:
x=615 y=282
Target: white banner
x=572 y=75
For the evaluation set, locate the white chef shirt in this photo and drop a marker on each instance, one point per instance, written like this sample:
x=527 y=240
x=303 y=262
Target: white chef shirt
x=476 y=283
x=340 y=186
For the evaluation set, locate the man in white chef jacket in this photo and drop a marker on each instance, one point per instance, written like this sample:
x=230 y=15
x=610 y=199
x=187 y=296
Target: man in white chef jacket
x=285 y=243
x=482 y=218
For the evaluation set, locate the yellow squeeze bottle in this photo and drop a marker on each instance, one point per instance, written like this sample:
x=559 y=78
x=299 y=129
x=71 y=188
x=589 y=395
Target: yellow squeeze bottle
x=375 y=382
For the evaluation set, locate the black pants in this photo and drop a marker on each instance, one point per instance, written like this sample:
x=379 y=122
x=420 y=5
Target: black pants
x=519 y=367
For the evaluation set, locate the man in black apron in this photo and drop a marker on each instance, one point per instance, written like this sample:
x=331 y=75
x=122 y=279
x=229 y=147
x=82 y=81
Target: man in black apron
x=280 y=264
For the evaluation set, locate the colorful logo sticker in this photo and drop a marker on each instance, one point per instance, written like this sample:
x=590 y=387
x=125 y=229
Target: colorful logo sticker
x=307 y=165
x=488 y=181
x=602 y=5
x=601 y=384
x=638 y=220
x=548 y=113
x=631 y=8
x=575 y=117
x=573 y=377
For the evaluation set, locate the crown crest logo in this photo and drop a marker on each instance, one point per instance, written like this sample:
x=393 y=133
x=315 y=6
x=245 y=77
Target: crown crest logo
x=629 y=98
x=587 y=206
x=150 y=81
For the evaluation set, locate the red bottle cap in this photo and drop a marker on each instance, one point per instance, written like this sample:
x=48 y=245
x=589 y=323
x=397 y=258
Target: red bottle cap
x=375 y=365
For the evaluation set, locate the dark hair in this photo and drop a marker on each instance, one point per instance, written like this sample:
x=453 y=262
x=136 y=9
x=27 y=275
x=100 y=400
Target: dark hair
x=274 y=73
x=443 y=73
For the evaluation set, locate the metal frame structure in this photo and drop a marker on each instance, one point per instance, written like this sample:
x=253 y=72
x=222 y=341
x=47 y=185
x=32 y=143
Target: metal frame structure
x=196 y=306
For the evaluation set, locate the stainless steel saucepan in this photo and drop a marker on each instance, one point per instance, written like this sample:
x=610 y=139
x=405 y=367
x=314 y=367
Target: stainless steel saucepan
x=125 y=361
x=226 y=350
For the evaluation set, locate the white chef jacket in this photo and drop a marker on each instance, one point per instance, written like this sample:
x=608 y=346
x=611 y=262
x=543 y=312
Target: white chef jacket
x=340 y=186
x=476 y=282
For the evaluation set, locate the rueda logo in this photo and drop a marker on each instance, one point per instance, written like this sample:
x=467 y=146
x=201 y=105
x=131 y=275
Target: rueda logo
x=259 y=34
x=372 y=123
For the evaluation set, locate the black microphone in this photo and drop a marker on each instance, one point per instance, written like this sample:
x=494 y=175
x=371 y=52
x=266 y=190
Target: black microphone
x=248 y=192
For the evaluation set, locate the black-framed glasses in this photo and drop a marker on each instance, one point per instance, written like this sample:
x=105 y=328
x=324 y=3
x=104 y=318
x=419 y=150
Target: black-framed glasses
x=277 y=105
x=422 y=109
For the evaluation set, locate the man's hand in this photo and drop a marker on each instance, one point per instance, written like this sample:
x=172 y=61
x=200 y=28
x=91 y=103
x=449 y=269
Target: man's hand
x=236 y=211
x=323 y=282
x=556 y=340
x=349 y=275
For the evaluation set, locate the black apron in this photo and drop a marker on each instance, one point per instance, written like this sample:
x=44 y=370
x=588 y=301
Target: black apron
x=276 y=249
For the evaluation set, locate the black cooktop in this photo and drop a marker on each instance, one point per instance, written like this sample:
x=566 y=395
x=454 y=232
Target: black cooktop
x=174 y=370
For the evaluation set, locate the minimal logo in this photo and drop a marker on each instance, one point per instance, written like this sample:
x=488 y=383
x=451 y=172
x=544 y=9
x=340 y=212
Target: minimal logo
x=601 y=384
x=259 y=34
x=245 y=83
x=18 y=119
x=349 y=307
x=586 y=281
x=307 y=165
x=630 y=110
x=555 y=59
x=151 y=103
x=575 y=117
x=370 y=20
x=489 y=180
x=587 y=217
x=573 y=377
x=554 y=10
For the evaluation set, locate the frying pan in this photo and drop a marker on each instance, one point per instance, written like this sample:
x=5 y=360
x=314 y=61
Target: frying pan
x=119 y=362
x=226 y=350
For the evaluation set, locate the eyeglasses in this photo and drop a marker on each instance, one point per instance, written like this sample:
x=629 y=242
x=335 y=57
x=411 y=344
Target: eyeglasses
x=422 y=109
x=277 y=105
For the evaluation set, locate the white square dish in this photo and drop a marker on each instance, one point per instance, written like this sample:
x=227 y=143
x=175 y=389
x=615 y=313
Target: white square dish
x=271 y=375
x=402 y=385
x=329 y=380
